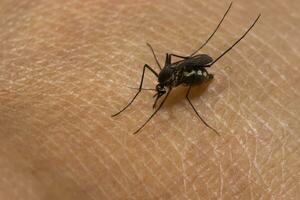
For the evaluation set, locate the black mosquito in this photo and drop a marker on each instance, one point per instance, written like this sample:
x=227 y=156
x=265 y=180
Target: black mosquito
x=189 y=70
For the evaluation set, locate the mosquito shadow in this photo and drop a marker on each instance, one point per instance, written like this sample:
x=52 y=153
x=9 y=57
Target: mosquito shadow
x=179 y=94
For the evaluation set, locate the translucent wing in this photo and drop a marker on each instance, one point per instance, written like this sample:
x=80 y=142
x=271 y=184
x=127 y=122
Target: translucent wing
x=199 y=60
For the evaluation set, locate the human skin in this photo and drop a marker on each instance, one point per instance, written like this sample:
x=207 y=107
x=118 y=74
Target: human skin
x=65 y=67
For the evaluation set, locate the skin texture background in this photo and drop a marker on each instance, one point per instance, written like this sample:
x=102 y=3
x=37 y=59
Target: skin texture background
x=65 y=67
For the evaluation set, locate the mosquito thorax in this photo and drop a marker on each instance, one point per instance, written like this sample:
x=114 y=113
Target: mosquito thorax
x=165 y=74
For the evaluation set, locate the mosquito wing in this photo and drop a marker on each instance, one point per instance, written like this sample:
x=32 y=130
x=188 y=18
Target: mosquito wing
x=199 y=60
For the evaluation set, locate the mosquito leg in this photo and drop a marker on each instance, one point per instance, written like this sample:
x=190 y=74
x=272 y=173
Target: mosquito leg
x=187 y=97
x=185 y=57
x=178 y=56
x=168 y=59
x=161 y=104
x=140 y=88
x=136 y=88
x=155 y=57
x=213 y=32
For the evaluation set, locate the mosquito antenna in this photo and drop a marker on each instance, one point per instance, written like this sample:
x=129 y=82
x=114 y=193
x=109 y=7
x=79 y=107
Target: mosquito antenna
x=213 y=32
x=135 y=88
x=154 y=55
x=161 y=104
x=237 y=41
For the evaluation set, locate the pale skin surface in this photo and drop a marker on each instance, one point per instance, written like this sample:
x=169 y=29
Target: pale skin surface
x=65 y=68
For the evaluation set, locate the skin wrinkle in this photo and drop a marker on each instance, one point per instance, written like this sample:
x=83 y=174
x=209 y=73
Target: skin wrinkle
x=107 y=195
x=83 y=164
x=70 y=168
x=248 y=121
x=166 y=189
x=105 y=149
x=121 y=169
x=165 y=154
x=58 y=156
x=78 y=160
x=257 y=170
x=106 y=106
x=278 y=54
x=207 y=30
x=275 y=86
x=187 y=177
x=112 y=157
x=278 y=104
x=158 y=163
x=196 y=177
x=283 y=168
x=184 y=176
x=141 y=182
x=108 y=169
x=98 y=144
x=148 y=151
x=184 y=173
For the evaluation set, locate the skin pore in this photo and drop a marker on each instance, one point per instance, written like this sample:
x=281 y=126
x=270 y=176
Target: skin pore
x=66 y=67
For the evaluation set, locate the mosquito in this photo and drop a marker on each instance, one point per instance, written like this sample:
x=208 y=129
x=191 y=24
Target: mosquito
x=188 y=71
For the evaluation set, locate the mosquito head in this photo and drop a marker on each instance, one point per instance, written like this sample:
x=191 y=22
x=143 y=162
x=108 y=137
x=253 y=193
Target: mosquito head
x=160 y=91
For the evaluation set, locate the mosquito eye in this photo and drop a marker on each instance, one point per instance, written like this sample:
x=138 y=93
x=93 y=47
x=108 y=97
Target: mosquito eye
x=159 y=87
